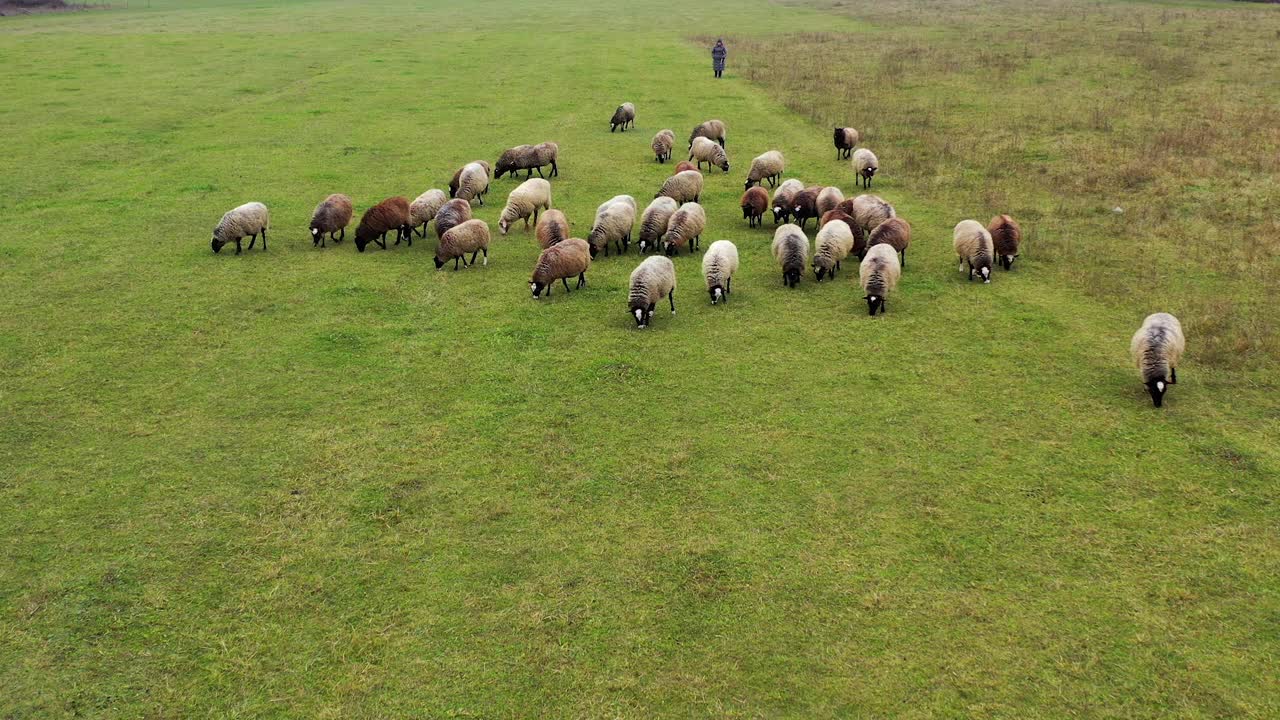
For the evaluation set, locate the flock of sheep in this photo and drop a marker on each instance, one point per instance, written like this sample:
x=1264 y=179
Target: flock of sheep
x=865 y=226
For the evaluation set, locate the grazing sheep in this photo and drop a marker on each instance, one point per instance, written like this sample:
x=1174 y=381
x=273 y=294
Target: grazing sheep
x=707 y=151
x=662 y=144
x=719 y=264
x=865 y=166
x=423 y=209
x=652 y=278
x=528 y=158
x=471 y=182
x=791 y=251
x=685 y=227
x=846 y=138
x=654 y=222
x=526 y=200
x=973 y=245
x=859 y=237
x=390 y=214
x=451 y=214
x=894 y=232
x=805 y=205
x=613 y=224
x=829 y=199
x=1156 y=349
x=618 y=199
x=766 y=166
x=1006 y=236
x=685 y=165
x=783 y=197
x=683 y=187
x=332 y=215
x=878 y=276
x=552 y=228
x=244 y=221
x=754 y=202
x=833 y=243
x=711 y=129
x=869 y=210
x=569 y=257
x=622 y=117
x=471 y=236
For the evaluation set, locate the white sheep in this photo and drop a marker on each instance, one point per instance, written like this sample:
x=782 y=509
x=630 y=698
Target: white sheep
x=719 y=264
x=472 y=182
x=869 y=211
x=653 y=278
x=791 y=251
x=766 y=166
x=865 y=165
x=708 y=151
x=662 y=144
x=829 y=199
x=682 y=187
x=654 y=222
x=878 y=276
x=783 y=197
x=1156 y=349
x=613 y=223
x=424 y=208
x=833 y=243
x=250 y=219
x=972 y=243
x=471 y=236
x=684 y=228
x=527 y=200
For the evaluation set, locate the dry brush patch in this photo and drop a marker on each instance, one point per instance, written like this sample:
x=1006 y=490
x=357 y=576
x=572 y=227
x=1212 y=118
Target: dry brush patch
x=1060 y=113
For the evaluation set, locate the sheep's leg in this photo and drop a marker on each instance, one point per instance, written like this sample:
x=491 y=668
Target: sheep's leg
x=238 y=246
x=1173 y=375
x=539 y=169
x=477 y=252
x=582 y=279
x=904 y=258
x=728 y=287
x=408 y=234
x=555 y=169
x=253 y=240
x=455 y=263
x=566 y=284
x=671 y=296
x=343 y=236
x=264 y=238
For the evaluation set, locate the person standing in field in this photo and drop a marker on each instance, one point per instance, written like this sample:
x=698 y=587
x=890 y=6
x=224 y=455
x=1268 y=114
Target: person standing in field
x=717 y=57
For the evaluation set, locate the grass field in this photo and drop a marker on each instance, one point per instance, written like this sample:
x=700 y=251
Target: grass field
x=317 y=483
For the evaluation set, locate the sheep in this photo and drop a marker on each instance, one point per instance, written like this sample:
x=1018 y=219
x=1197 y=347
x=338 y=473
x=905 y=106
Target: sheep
x=719 y=264
x=973 y=245
x=829 y=199
x=423 y=209
x=1006 y=236
x=613 y=224
x=711 y=129
x=766 y=166
x=791 y=251
x=894 y=232
x=471 y=236
x=865 y=166
x=869 y=210
x=551 y=229
x=569 y=257
x=377 y=221
x=833 y=243
x=332 y=215
x=528 y=158
x=683 y=187
x=652 y=278
x=623 y=116
x=249 y=219
x=782 y=198
x=878 y=274
x=754 y=202
x=704 y=150
x=662 y=144
x=805 y=205
x=859 y=237
x=653 y=224
x=685 y=165
x=846 y=138
x=1156 y=349
x=526 y=200
x=685 y=227
x=617 y=199
x=453 y=213
x=471 y=182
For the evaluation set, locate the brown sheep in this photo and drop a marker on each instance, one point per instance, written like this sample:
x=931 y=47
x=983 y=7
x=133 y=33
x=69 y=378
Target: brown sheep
x=805 y=205
x=553 y=227
x=754 y=202
x=685 y=165
x=894 y=232
x=333 y=215
x=1006 y=235
x=561 y=261
x=845 y=139
x=390 y=214
x=451 y=214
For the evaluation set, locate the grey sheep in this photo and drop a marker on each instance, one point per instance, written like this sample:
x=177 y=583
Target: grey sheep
x=878 y=275
x=654 y=222
x=1156 y=349
x=662 y=144
x=652 y=279
x=791 y=251
x=973 y=245
x=682 y=187
x=248 y=220
x=332 y=215
x=685 y=228
x=471 y=236
x=569 y=257
x=622 y=117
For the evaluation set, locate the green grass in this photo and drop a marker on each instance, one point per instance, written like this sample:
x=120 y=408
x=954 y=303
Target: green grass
x=308 y=483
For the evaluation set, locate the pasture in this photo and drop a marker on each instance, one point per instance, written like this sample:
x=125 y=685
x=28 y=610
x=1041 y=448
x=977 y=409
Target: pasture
x=322 y=483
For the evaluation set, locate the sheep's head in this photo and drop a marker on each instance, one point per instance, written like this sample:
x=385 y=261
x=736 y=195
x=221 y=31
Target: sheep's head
x=985 y=272
x=820 y=270
x=1157 y=388
x=1007 y=261
x=642 y=316
x=536 y=288
x=874 y=303
x=216 y=244
x=717 y=294
x=439 y=262
x=503 y=225
x=791 y=277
